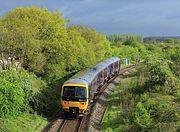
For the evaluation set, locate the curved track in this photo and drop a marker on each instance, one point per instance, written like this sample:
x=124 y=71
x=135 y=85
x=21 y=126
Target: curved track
x=61 y=124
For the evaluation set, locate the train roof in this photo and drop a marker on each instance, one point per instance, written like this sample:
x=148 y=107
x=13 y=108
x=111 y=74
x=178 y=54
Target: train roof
x=87 y=76
x=76 y=81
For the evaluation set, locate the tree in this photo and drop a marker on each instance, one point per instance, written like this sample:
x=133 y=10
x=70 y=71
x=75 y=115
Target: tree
x=97 y=42
x=76 y=50
x=120 y=38
x=158 y=71
x=35 y=36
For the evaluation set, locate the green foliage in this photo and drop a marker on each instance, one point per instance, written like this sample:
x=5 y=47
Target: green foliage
x=19 y=89
x=128 y=43
x=169 y=41
x=119 y=116
x=97 y=42
x=142 y=51
x=172 y=41
x=158 y=71
x=125 y=52
x=175 y=58
x=151 y=101
x=128 y=46
x=76 y=50
x=35 y=36
x=23 y=123
x=12 y=100
x=153 y=49
x=163 y=108
x=142 y=116
x=118 y=39
x=47 y=101
x=44 y=45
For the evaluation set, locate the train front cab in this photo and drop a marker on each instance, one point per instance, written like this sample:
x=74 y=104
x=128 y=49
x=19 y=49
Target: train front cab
x=74 y=98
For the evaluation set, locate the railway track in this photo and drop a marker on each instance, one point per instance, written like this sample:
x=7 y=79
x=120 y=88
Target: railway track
x=71 y=125
x=60 y=124
x=65 y=125
x=54 y=122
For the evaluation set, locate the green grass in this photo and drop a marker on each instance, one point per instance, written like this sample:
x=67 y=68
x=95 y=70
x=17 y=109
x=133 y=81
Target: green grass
x=112 y=121
x=23 y=123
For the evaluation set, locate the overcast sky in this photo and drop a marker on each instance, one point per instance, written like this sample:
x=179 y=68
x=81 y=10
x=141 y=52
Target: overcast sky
x=144 y=17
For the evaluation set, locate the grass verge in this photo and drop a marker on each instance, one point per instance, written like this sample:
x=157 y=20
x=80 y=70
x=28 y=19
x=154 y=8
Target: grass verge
x=111 y=120
x=23 y=123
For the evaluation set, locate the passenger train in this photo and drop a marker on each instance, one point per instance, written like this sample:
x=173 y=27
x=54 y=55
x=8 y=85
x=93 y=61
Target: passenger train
x=78 y=92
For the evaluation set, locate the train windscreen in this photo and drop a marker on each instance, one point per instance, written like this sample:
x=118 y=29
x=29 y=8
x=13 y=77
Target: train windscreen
x=74 y=93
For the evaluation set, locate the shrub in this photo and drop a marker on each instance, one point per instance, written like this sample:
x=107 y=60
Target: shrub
x=19 y=90
x=142 y=116
x=12 y=100
x=158 y=71
x=162 y=108
x=175 y=58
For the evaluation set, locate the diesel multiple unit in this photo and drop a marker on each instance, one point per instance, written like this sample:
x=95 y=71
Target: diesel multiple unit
x=79 y=91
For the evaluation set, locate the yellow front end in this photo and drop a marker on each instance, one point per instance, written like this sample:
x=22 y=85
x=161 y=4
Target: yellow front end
x=82 y=105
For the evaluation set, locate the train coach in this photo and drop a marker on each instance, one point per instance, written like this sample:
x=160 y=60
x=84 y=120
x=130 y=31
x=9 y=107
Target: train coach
x=79 y=91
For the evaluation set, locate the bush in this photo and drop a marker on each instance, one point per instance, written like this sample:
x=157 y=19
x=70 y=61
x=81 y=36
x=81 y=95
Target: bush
x=175 y=58
x=158 y=71
x=162 y=108
x=142 y=116
x=19 y=90
x=12 y=100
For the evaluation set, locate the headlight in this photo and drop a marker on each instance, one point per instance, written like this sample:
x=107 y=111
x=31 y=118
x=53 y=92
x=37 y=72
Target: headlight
x=64 y=102
x=83 y=103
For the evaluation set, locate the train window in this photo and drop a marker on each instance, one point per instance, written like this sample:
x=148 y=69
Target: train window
x=116 y=64
x=105 y=73
x=99 y=77
x=74 y=93
x=111 y=68
x=80 y=92
x=68 y=92
x=95 y=83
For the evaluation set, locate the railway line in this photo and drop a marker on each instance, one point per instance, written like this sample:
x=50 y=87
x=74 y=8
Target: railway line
x=64 y=125
x=93 y=116
x=71 y=125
